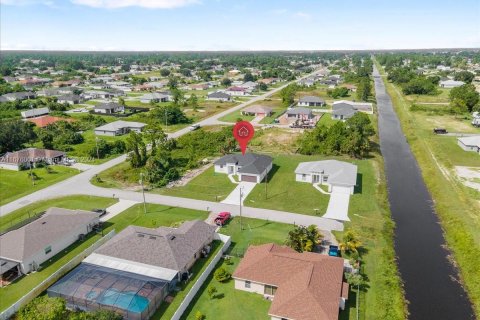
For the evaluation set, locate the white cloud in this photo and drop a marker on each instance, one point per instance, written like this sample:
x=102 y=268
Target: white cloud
x=303 y=15
x=151 y=4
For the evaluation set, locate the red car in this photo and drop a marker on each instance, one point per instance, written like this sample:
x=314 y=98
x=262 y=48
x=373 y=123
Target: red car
x=222 y=218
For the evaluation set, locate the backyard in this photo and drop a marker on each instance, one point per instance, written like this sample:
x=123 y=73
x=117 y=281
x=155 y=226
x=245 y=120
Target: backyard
x=16 y=184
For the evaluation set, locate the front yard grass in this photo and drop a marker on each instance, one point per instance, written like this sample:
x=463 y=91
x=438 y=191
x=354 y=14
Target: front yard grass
x=157 y=215
x=16 y=184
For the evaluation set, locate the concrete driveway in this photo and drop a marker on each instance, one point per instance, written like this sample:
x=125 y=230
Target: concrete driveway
x=338 y=206
x=234 y=196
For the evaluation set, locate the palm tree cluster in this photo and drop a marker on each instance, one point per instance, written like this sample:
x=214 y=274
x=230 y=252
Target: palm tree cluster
x=303 y=238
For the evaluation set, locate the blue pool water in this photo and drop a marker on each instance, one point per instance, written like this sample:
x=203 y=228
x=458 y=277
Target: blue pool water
x=126 y=300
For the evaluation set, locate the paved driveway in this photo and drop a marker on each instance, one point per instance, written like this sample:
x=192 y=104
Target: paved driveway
x=234 y=196
x=338 y=206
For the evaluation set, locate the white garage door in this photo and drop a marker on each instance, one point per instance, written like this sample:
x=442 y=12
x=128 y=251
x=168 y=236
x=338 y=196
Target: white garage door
x=340 y=189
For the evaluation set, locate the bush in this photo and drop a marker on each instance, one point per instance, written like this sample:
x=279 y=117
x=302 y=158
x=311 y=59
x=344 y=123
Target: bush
x=199 y=316
x=211 y=291
x=222 y=275
x=43 y=308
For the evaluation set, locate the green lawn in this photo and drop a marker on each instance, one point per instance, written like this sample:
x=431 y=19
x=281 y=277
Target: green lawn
x=209 y=186
x=157 y=215
x=441 y=97
x=16 y=184
x=233 y=116
x=70 y=202
x=285 y=194
x=456 y=205
x=236 y=304
x=81 y=151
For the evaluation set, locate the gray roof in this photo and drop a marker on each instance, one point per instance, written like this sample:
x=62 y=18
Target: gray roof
x=311 y=99
x=345 y=110
x=54 y=225
x=35 y=112
x=20 y=95
x=299 y=110
x=117 y=125
x=171 y=248
x=339 y=172
x=69 y=97
x=108 y=106
x=473 y=141
x=219 y=95
x=359 y=106
x=250 y=162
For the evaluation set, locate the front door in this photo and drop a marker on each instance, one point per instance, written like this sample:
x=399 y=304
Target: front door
x=316 y=178
x=230 y=169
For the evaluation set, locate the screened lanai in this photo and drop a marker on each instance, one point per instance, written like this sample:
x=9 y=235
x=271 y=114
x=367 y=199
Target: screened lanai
x=91 y=287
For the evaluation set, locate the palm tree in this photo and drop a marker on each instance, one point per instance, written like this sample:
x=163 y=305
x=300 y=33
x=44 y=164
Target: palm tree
x=304 y=238
x=350 y=242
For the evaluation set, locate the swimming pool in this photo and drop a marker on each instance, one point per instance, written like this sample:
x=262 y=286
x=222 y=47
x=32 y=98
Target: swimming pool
x=129 y=300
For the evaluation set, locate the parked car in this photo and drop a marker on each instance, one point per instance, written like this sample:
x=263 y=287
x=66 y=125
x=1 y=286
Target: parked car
x=440 y=131
x=222 y=218
x=101 y=211
x=333 y=251
x=194 y=127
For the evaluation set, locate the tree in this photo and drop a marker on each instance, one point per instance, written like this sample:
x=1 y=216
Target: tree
x=358 y=131
x=169 y=114
x=288 y=94
x=137 y=149
x=364 y=89
x=164 y=72
x=350 y=242
x=199 y=315
x=262 y=86
x=193 y=101
x=467 y=94
x=161 y=169
x=226 y=82
x=43 y=308
x=248 y=77
x=221 y=274
x=172 y=82
x=303 y=238
x=121 y=101
x=212 y=291
x=155 y=136
x=14 y=134
x=178 y=97
x=338 y=92
x=459 y=106
x=464 y=76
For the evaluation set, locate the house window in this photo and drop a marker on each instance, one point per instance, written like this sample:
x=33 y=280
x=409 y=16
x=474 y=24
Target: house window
x=304 y=177
x=270 y=290
x=325 y=178
x=247 y=284
x=48 y=249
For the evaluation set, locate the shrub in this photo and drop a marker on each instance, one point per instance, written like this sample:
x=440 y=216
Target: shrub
x=43 y=308
x=199 y=316
x=211 y=291
x=222 y=275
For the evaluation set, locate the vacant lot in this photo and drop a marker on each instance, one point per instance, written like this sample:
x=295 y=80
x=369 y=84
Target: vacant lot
x=275 y=140
x=16 y=184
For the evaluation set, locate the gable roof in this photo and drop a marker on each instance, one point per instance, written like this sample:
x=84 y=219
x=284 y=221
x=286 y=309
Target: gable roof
x=30 y=154
x=258 y=109
x=473 y=141
x=35 y=112
x=250 y=162
x=299 y=110
x=345 y=110
x=219 y=94
x=309 y=285
x=55 y=224
x=108 y=106
x=339 y=172
x=120 y=124
x=171 y=248
x=311 y=99
x=360 y=106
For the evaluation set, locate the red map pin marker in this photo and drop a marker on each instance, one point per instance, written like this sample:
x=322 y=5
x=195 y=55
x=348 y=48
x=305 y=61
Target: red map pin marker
x=243 y=132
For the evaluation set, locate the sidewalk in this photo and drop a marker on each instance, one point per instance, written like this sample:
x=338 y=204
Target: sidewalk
x=234 y=196
x=118 y=208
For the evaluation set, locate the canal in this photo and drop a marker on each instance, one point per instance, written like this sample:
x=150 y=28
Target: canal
x=429 y=278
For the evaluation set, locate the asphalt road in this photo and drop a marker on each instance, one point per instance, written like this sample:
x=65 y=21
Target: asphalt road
x=80 y=184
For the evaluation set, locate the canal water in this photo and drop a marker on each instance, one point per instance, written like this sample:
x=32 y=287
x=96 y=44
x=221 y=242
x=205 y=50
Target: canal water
x=428 y=276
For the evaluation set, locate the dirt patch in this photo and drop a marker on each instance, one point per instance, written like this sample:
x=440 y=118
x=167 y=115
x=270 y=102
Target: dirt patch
x=469 y=176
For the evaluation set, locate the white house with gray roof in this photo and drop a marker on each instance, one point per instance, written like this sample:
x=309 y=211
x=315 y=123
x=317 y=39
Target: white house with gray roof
x=219 y=96
x=118 y=128
x=163 y=253
x=470 y=143
x=448 y=84
x=24 y=249
x=339 y=176
x=311 y=101
x=250 y=167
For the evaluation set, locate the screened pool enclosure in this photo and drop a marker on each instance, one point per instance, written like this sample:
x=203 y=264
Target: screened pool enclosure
x=91 y=287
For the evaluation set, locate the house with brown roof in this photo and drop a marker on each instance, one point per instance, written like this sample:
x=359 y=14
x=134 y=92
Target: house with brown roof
x=257 y=110
x=25 y=158
x=44 y=121
x=24 y=249
x=303 y=286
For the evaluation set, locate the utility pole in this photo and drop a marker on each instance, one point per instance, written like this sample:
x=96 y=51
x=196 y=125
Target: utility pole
x=166 y=119
x=31 y=173
x=266 y=184
x=143 y=193
x=241 y=195
x=96 y=144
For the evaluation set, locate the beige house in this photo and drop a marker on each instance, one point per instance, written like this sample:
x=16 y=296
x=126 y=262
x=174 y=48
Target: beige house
x=303 y=286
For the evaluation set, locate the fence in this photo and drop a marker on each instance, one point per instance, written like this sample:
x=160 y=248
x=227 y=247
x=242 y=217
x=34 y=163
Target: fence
x=6 y=314
x=191 y=294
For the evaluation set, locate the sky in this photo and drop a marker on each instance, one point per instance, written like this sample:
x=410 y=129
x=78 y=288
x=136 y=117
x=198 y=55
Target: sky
x=166 y=25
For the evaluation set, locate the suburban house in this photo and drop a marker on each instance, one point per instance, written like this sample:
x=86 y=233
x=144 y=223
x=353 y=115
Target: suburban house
x=70 y=99
x=199 y=86
x=26 y=248
x=109 y=108
x=118 y=128
x=100 y=86
x=365 y=107
x=156 y=97
x=219 y=96
x=34 y=112
x=94 y=94
x=44 y=121
x=18 y=96
x=250 y=167
x=257 y=110
x=21 y=159
x=237 y=91
x=310 y=101
x=304 y=286
x=451 y=84
x=139 y=265
x=470 y=143
x=300 y=113
x=308 y=82
x=249 y=85
x=339 y=176
x=268 y=81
